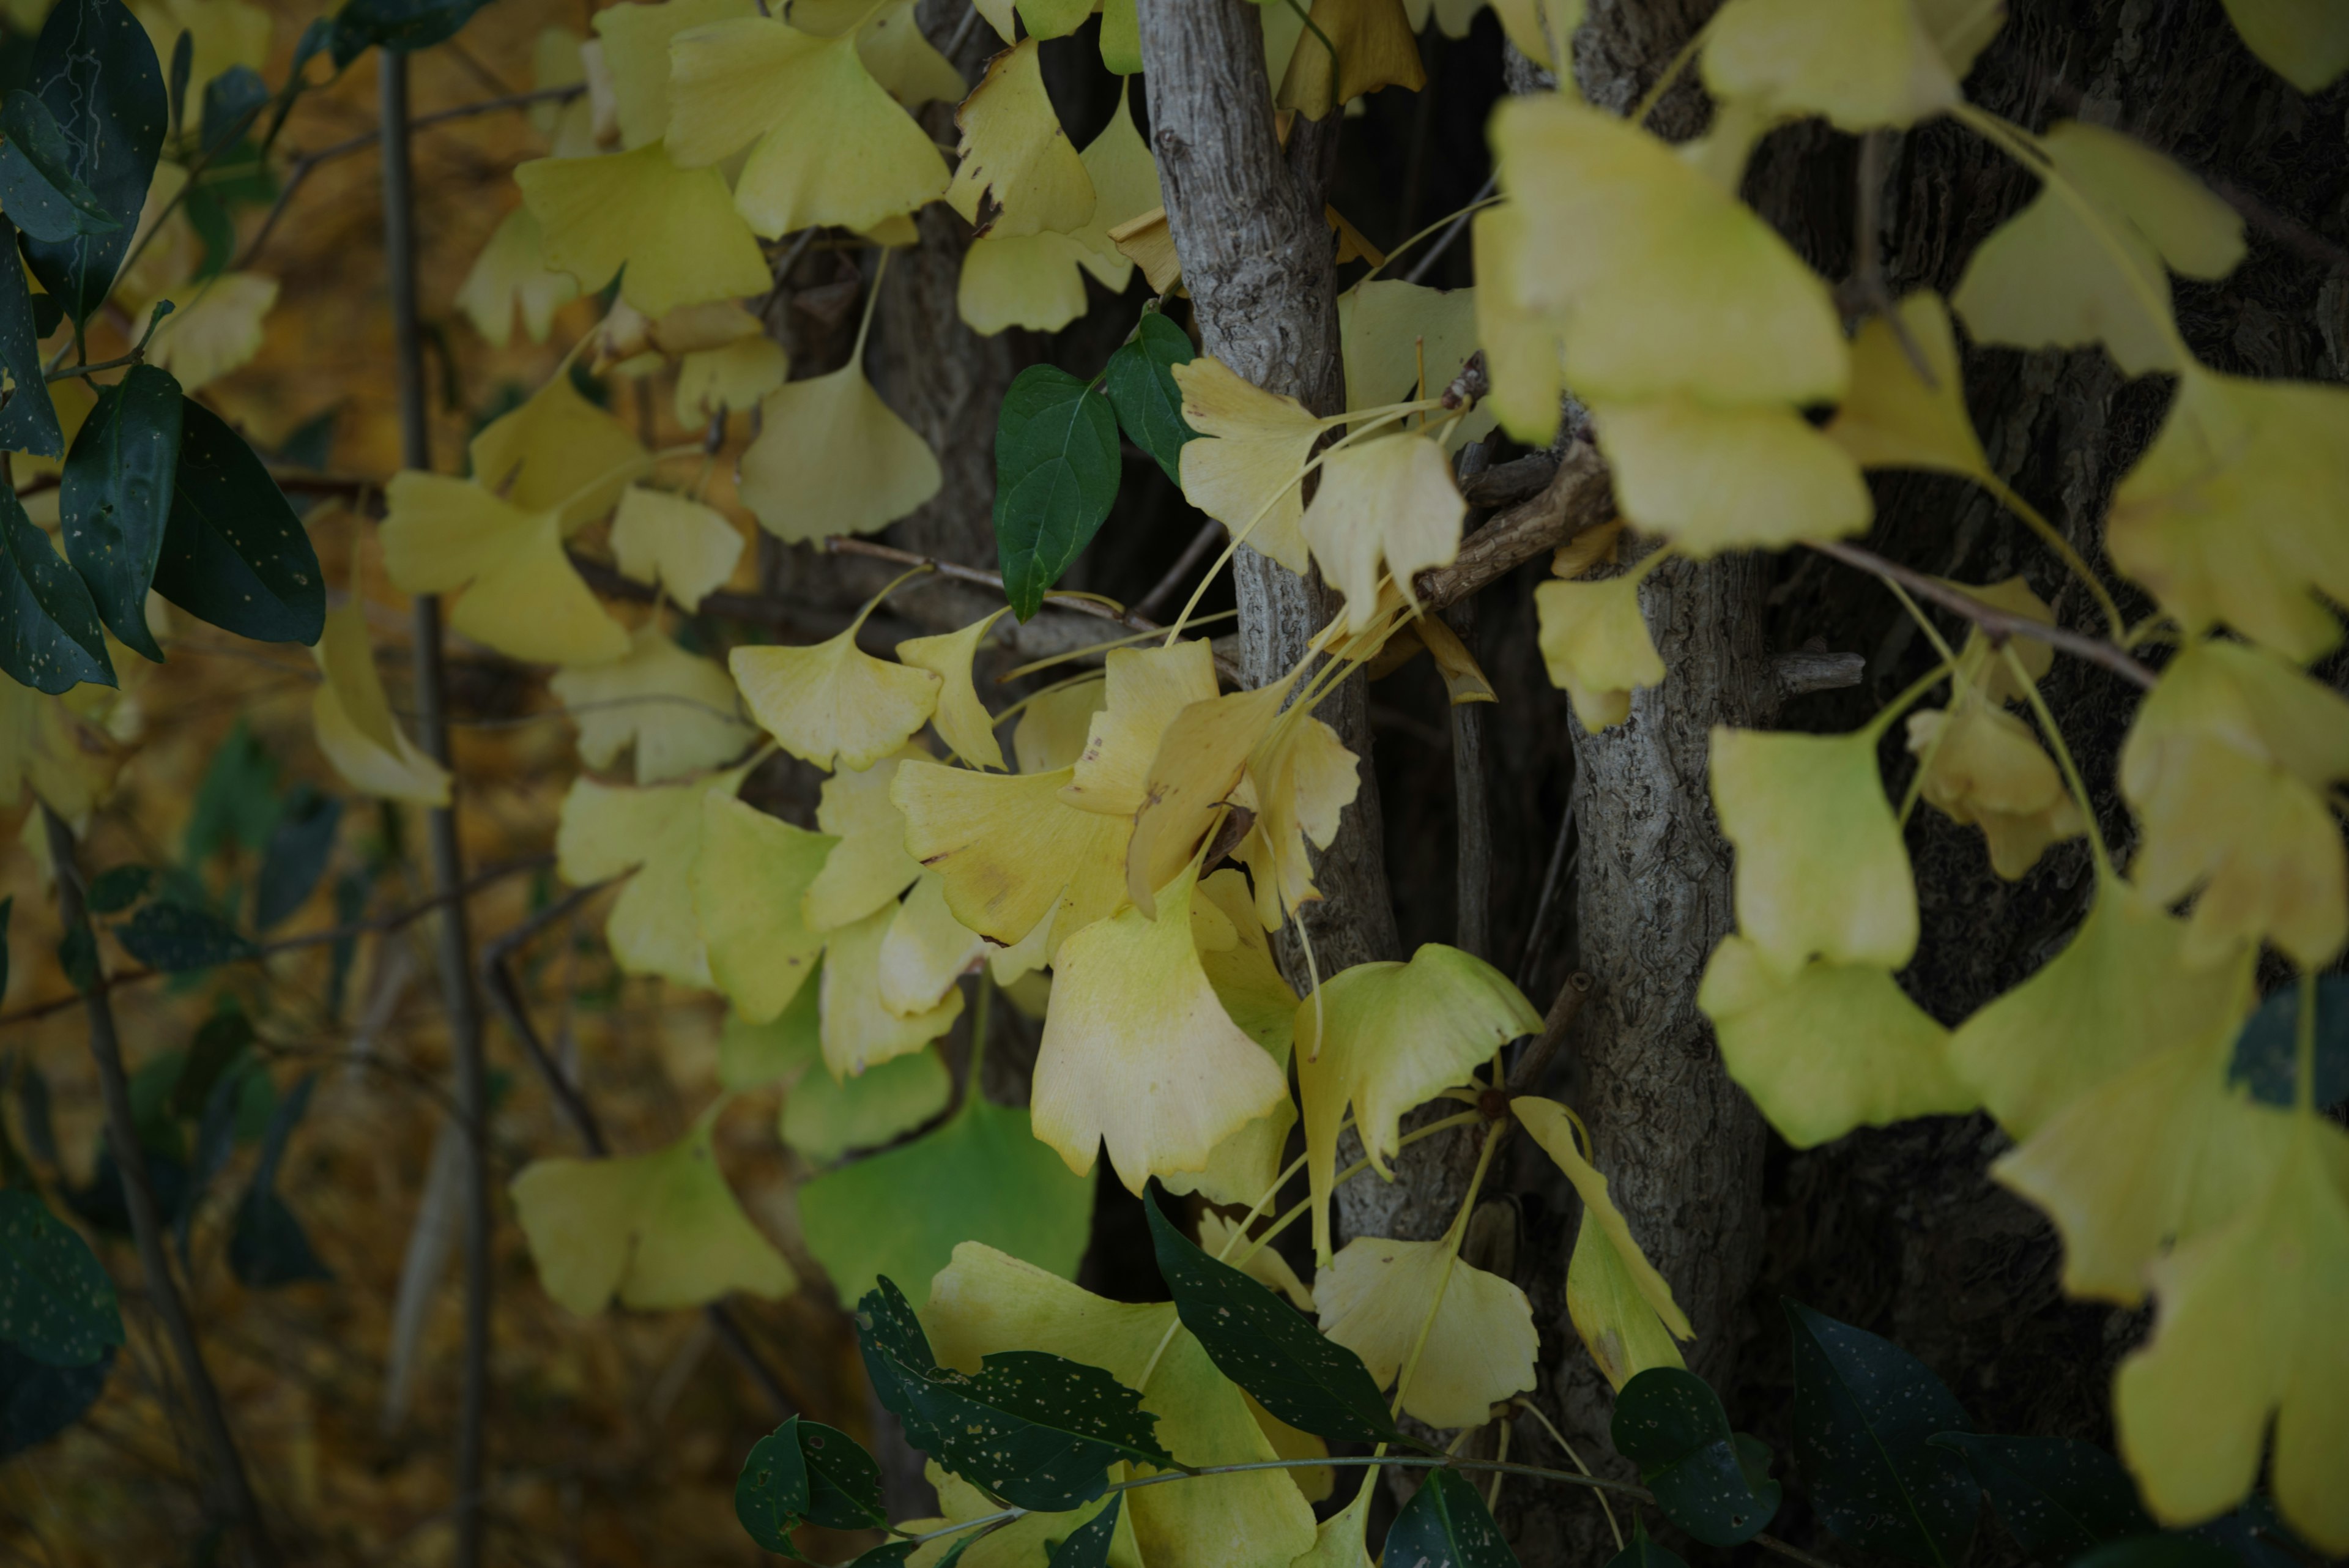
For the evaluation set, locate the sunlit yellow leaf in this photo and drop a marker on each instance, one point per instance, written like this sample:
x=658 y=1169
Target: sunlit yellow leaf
x=1147 y=687
x=1054 y=727
x=1238 y=958
x=1381 y=1038
x=353 y=719
x=1055 y=18
x=1522 y=360
x=1390 y=501
x=2249 y=1330
x=1018 y=174
x=859 y=1029
x=1192 y=777
x=1035 y=281
x=1014 y=855
x=1147 y=241
x=903 y=61
x=1595 y=641
x=1125 y=186
x=1984 y=766
x=962 y=720
x=558 y=452
x=1302 y=779
x=1120 y=37
x=2306 y=42
x=832 y=703
x=869 y=866
x=1377 y=1292
x=559 y=58
x=1338 y=1541
x=713 y=381
x=1713 y=479
x=924 y=950
x=521 y=596
x=1253 y=444
x=1375 y=48
x=636 y=47
x=511 y=275
x=1860 y=63
x=676 y=709
x=656 y=832
x=1983 y=664
x=688 y=549
x=833 y=458
x=1388 y=327
x=748 y=881
x=217 y=331
x=1891 y=417
x=674 y=229
x=1829 y=1048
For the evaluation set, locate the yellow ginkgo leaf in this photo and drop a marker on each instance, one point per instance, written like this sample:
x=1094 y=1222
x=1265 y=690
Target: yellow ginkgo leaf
x=1713 y=479
x=674 y=229
x=2156 y=1155
x=1120 y=37
x=1625 y=1336
x=1383 y=1037
x=1147 y=241
x=1238 y=958
x=1522 y=360
x=748 y=881
x=676 y=709
x=1191 y=779
x=833 y=458
x=985 y=1302
x=1389 y=501
x=1015 y=857
x=1018 y=174
x=1829 y=1048
x=523 y=597
x=1147 y=688
x=713 y=381
x=2239 y=511
x=687 y=548
x=559 y=58
x=1339 y=1541
x=860 y=1029
x=1860 y=63
x=224 y=34
x=1388 y=329
x=1891 y=418
x=1984 y=663
x=1595 y=641
x=1301 y=780
x=1138 y=1052
x=1376 y=1294
x=825 y=1118
x=924 y=950
x=1217 y=1238
x=66 y=761
x=558 y=452
x=833 y=146
x=1125 y=186
x=656 y=832
x=2047 y=279
x=636 y=48
x=2249 y=1334
x=2306 y=42
x=354 y=722
x=511 y=275
x=903 y=61
x=1314 y=1483
x=1035 y=281
x=1669 y=283
x=217 y=331
x=1821 y=870
x=869 y=866
x=1376 y=47
x=1983 y=765
x=832 y=703
x=962 y=720
x=1252 y=444
x=1464 y=680
x=1054 y=726
x=660 y=1231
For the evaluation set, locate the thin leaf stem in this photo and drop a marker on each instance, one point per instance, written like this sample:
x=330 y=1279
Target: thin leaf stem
x=1297 y=1211
x=139 y=352
x=1451 y=1239
x=2115 y=624
x=2079 y=788
x=1530 y=1408
x=1092 y=648
x=1901 y=704
x=1672 y=69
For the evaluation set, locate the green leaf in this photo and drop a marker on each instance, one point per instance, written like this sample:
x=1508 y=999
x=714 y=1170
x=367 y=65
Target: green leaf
x=983 y=1176
x=1643 y=1552
x=2058 y=1497
x=403 y=24
x=116 y=497
x=1037 y=1430
x=173 y=936
x=2162 y=1550
x=236 y=803
x=36 y=176
x=224 y=1103
x=1670 y=1422
x=1267 y=1346
x=1087 y=1546
x=49 y=634
x=1865 y=1410
x=299 y=846
x=2267 y=1052
x=98 y=75
x=28 y=418
x=891 y=1552
x=37 y=1402
x=771 y=1495
x=1056 y=474
x=77 y=956
x=234 y=554
x=1446 y=1525
x=844 y=1482
x=57 y=1302
x=232 y=102
x=117 y=887
x=219 y=1040
x=1142 y=387
x=268 y=1247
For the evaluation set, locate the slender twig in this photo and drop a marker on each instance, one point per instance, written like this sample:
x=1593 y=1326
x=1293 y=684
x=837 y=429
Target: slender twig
x=1999 y=623
x=1472 y=806
x=842 y=545
x=448 y=860
x=1154 y=602
x=1459 y=226
x=1535 y=1063
x=232 y=1491
x=138 y=352
x=1552 y=889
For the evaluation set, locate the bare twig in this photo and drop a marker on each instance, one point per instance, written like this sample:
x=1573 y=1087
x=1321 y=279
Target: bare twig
x=1155 y=601
x=1434 y=253
x=1580 y=495
x=1563 y=1010
x=1472 y=805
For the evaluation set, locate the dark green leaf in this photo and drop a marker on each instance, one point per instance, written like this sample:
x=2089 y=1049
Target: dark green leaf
x=77 y=956
x=889 y=1553
x=2267 y=1052
x=117 y=887
x=1037 y=1430
x=234 y=554
x=268 y=1246
x=116 y=497
x=56 y=1301
x=233 y=101
x=208 y=215
x=1056 y=474
x=1643 y=1552
x=49 y=634
x=1267 y=1346
x=216 y=1137
x=404 y=25
x=183 y=65
x=37 y=184
x=299 y=846
x=1087 y=1546
x=771 y=1495
x=28 y=418
x=844 y=1483
x=1671 y=1423
x=219 y=1040
x=1446 y=1525
x=1864 y=1412
x=102 y=1203
x=1142 y=387
x=99 y=75
x=2256 y=1536
x=2058 y=1497
x=33 y=1112
x=37 y=1402
x=174 y=937
x=236 y=802
x=2164 y=1551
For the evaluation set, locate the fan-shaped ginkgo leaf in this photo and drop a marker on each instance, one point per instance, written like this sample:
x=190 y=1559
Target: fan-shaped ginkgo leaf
x=1191 y=781
x=1238 y=958
x=860 y=1030
x=901 y=59
x=1860 y=63
x=1374 y=1298
x=1147 y=241
x=1017 y=173
x=1146 y=689
x=1891 y=417
x=924 y=950
x=217 y=331
x=1125 y=185
x=1035 y=281
x=737 y=377
x=832 y=703
x=1522 y=360
x=1388 y=502
x=354 y=722
x=748 y=881
x=1983 y=765
x=1821 y=870
x=1138 y=1052
x=869 y=866
x=1375 y=48
x=962 y=720
x=833 y=458
x=2306 y=42
x=1054 y=724
x=1383 y=1037
x=558 y=452
x=636 y=49
x=824 y=1117
x=674 y=229
x=1301 y=780
x=1609 y=1311
x=686 y=548
x=510 y=276
x=1389 y=329
x=1547 y=1122
x=523 y=597
x=1713 y=479
x=659 y=1231
x=1012 y=853
x=1595 y=641
x=1829 y=1048
x=676 y=708
x=1252 y=444
x=656 y=834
